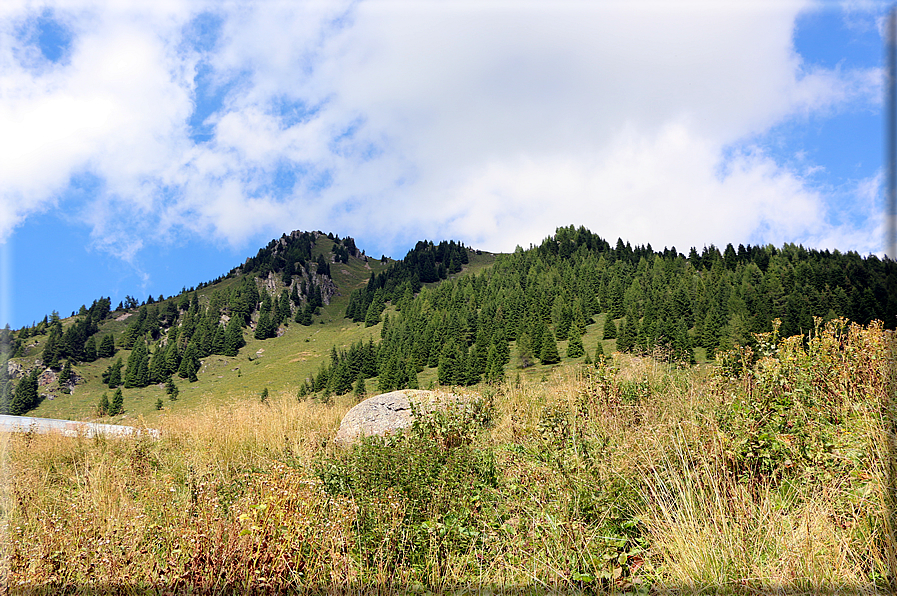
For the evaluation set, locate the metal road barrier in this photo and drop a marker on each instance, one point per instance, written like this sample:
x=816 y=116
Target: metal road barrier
x=71 y=428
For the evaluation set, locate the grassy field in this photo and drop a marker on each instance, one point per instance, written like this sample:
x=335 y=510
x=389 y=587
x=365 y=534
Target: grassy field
x=767 y=473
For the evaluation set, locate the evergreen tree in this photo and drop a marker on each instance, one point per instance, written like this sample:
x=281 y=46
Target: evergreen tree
x=25 y=396
x=549 y=354
x=629 y=334
x=158 y=368
x=103 y=407
x=525 y=356
x=411 y=375
x=137 y=373
x=89 y=353
x=118 y=403
x=189 y=363
x=233 y=337
x=53 y=348
x=263 y=326
x=112 y=375
x=610 y=328
x=360 y=388
x=172 y=358
x=575 y=348
x=495 y=370
x=599 y=352
x=219 y=341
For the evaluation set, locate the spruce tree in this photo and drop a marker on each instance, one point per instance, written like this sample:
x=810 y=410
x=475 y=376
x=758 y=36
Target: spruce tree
x=66 y=374
x=575 y=348
x=629 y=334
x=89 y=353
x=525 y=356
x=118 y=403
x=112 y=374
x=263 y=326
x=103 y=407
x=360 y=388
x=549 y=354
x=189 y=363
x=610 y=328
x=25 y=397
x=133 y=373
x=495 y=370
x=233 y=337
x=172 y=358
x=411 y=374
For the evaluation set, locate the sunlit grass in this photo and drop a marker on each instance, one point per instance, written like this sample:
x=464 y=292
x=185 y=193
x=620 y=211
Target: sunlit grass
x=620 y=477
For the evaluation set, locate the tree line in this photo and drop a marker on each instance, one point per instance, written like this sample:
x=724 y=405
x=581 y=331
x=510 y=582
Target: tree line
x=654 y=302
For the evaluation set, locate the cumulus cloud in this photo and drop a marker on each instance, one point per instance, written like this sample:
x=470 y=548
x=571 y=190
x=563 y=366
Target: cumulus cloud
x=489 y=122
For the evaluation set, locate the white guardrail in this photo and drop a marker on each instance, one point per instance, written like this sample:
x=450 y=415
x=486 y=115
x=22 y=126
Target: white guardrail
x=70 y=428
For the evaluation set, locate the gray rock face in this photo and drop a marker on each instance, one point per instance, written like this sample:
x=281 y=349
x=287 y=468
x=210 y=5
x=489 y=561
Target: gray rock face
x=386 y=413
x=13 y=370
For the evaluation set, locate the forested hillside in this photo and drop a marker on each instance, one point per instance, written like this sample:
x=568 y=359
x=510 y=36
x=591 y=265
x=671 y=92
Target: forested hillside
x=167 y=338
x=468 y=326
x=659 y=302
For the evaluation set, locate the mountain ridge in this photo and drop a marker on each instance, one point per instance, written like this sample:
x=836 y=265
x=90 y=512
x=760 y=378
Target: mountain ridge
x=443 y=314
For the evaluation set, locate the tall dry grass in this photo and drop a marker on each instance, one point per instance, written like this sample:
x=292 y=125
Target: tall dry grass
x=768 y=473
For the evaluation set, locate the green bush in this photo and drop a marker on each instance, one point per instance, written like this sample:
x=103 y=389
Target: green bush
x=420 y=494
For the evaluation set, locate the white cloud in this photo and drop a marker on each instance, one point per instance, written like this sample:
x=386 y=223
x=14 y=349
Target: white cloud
x=490 y=122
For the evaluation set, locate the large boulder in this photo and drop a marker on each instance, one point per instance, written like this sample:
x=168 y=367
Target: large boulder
x=388 y=412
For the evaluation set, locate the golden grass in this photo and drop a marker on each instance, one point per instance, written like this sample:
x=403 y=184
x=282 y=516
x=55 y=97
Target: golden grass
x=617 y=477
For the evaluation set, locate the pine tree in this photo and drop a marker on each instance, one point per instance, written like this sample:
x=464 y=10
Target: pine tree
x=495 y=370
x=263 y=326
x=610 y=328
x=25 y=397
x=525 y=356
x=89 y=353
x=66 y=374
x=411 y=374
x=575 y=348
x=112 y=375
x=103 y=407
x=172 y=358
x=629 y=334
x=118 y=403
x=233 y=337
x=360 y=388
x=135 y=360
x=189 y=363
x=549 y=354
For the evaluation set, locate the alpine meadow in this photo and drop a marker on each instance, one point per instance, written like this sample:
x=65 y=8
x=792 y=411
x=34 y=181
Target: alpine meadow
x=631 y=420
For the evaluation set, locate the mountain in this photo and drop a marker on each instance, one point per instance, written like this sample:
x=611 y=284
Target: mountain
x=312 y=315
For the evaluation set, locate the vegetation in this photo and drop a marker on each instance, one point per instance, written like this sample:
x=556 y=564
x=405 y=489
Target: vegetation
x=764 y=467
x=768 y=472
x=436 y=316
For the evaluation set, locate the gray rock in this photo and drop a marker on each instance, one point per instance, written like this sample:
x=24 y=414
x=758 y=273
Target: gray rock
x=13 y=370
x=46 y=378
x=388 y=412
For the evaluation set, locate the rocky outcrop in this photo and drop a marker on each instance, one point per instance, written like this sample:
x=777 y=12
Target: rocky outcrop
x=13 y=369
x=48 y=377
x=388 y=412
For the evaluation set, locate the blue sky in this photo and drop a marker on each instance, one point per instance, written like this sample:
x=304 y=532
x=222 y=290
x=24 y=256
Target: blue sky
x=147 y=148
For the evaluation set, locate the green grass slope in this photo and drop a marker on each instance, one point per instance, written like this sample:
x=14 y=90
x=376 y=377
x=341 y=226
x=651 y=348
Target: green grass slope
x=280 y=364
